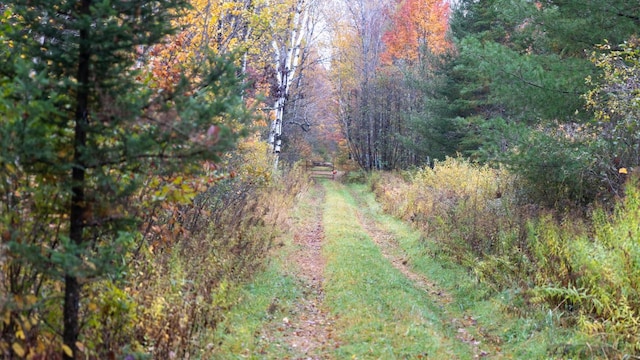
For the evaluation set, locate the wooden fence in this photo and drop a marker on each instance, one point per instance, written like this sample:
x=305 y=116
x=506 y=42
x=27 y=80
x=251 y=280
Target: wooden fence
x=320 y=170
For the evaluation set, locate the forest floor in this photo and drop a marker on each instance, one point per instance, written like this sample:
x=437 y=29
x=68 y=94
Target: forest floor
x=352 y=283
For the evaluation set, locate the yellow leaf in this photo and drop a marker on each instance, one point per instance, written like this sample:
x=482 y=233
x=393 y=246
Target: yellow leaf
x=11 y=169
x=67 y=350
x=623 y=171
x=31 y=299
x=26 y=324
x=18 y=349
x=20 y=335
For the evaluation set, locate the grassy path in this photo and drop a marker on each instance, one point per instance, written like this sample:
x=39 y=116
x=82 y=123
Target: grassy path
x=381 y=313
x=388 y=234
x=349 y=282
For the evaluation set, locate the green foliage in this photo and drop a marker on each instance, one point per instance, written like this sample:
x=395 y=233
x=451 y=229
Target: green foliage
x=530 y=88
x=83 y=136
x=433 y=132
x=573 y=26
x=516 y=86
x=570 y=169
x=595 y=274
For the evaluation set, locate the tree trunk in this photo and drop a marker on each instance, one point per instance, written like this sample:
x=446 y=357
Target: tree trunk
x=78 y=203
x=287 y=62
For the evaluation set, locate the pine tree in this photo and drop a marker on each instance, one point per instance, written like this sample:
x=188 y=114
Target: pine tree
x=520 y=76
x=82 y=127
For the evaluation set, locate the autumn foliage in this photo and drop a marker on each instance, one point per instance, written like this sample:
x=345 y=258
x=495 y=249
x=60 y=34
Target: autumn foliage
x=416 y=25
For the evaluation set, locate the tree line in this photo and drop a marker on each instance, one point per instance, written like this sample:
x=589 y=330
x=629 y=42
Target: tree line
x=543 y=87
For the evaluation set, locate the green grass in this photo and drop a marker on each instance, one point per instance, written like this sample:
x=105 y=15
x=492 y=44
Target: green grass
x=513 y=328
x=238 y=337
x=380 y=313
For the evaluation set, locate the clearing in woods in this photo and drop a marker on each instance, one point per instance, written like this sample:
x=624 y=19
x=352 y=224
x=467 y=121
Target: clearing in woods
x=352 y=283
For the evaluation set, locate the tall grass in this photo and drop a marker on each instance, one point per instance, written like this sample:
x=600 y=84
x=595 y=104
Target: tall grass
x=586 y=269
x=469 y=208
x=597 y=274
x=185 y=290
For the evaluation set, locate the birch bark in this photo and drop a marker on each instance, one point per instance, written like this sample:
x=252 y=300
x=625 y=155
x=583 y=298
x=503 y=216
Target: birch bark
x=287 y=52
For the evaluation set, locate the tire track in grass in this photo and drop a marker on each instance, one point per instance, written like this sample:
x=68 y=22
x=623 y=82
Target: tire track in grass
x=310 y=332
x=388 y=244
x=380 y=312
x=303 y=328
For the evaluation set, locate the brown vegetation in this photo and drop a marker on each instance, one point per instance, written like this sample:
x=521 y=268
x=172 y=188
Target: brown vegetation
x=585 y=267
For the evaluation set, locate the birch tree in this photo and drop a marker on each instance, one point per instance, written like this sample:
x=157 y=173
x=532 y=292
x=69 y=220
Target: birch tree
x=289 y=53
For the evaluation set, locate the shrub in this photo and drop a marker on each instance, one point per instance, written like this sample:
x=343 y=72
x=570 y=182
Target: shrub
x=557 y=171
x=457 y=202
x=186 y=276
x=596 y=273
x=355 y=177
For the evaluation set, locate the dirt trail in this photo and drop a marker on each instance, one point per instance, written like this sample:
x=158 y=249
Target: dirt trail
x=310 y=328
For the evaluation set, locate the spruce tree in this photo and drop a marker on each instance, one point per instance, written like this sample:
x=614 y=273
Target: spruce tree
x=81 y=128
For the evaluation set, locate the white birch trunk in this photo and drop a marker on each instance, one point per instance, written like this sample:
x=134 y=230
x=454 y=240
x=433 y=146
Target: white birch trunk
x=287 y=56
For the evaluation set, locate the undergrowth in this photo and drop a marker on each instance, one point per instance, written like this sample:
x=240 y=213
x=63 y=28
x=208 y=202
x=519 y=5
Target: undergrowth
x=585 y=270
x=201 y=236
x=254 y=328
x=469 y=303
x=184 y=290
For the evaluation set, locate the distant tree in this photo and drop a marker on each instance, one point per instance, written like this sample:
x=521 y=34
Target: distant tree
x=358 y=46
x=417 y=25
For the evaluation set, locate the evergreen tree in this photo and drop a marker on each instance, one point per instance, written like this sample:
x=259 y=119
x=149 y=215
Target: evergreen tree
x=433 y=130
x=82 y=128
x=517 y=85
x=573 y=26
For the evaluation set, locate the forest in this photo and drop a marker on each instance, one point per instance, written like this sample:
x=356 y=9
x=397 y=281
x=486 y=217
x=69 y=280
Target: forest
x=157 y=198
